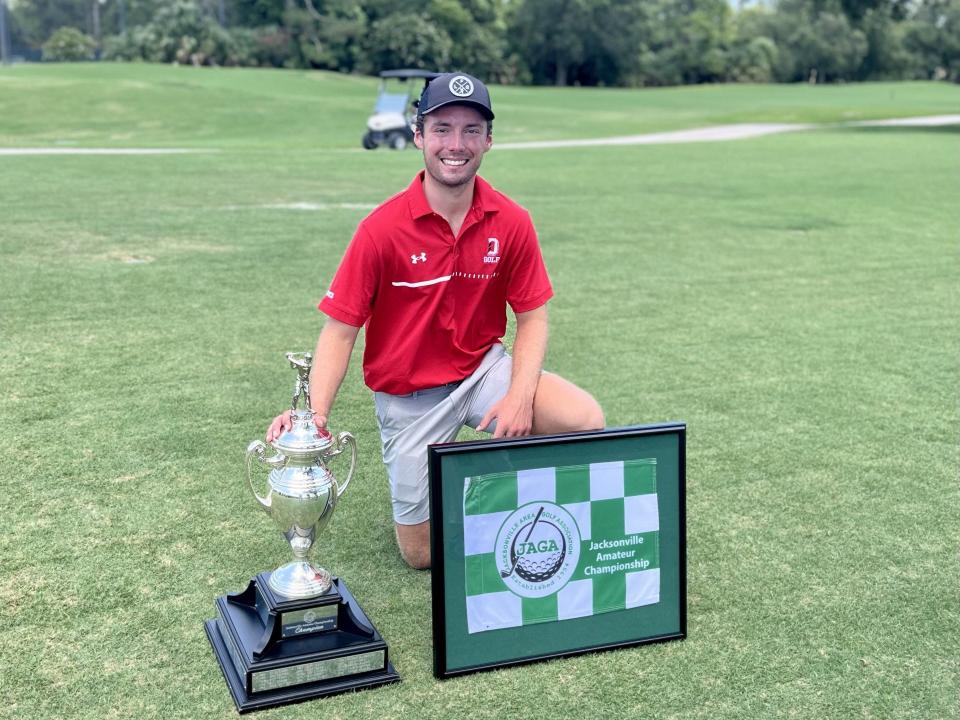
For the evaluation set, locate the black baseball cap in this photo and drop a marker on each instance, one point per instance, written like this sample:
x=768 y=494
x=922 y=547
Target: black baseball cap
x=456 y=87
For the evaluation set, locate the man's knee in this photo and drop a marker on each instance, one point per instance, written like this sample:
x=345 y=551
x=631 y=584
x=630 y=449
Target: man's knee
x=417 y=557
x=561 y=406
x=589 y=416
x=414 y=544
x=592 y=416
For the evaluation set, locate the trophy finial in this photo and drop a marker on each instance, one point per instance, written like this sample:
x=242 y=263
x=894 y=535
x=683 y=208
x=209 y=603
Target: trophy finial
x=301 y=362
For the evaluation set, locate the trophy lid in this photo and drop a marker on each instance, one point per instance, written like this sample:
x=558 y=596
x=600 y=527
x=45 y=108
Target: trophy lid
x=304 y=437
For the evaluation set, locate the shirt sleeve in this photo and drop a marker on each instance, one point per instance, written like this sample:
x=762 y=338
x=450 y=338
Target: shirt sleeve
x=529 y=285
x=354 y=287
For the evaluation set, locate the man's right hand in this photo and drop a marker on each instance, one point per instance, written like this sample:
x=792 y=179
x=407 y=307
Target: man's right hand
x=281 y=423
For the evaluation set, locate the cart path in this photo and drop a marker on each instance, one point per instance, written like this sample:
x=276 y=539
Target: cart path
x=716 y=133
x=101 y=151
x=729 y=132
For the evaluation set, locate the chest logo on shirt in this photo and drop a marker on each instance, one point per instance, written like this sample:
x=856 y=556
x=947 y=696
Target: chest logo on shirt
x=493 y=251
x=422 y=257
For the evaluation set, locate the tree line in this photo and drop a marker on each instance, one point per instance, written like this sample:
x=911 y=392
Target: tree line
x=545 y=42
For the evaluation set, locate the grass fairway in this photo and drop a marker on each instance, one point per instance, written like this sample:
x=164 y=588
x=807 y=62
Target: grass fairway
x=792 y=298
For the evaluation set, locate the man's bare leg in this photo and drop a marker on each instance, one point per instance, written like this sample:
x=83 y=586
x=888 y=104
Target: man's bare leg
x=414 y=543
x=560 y=406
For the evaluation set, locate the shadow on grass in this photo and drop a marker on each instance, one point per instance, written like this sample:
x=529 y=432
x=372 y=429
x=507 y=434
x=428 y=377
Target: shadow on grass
x=789 y=222
x=899 y=129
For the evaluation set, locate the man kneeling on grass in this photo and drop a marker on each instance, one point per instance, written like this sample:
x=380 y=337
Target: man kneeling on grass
x=430 y=273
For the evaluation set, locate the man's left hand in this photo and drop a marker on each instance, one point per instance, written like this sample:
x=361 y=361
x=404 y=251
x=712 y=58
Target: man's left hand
x=514 y=416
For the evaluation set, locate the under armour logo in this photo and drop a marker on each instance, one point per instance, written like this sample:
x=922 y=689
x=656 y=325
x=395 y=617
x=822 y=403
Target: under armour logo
x=422 y=257
x=461 y=86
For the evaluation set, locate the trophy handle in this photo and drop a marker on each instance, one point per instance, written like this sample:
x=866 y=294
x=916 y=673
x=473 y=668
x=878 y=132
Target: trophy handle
x=257 y=450
x=342 y=439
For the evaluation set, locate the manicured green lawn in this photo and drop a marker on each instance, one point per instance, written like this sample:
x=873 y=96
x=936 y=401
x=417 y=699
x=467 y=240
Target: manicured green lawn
x=792 y=298
x=116 y=105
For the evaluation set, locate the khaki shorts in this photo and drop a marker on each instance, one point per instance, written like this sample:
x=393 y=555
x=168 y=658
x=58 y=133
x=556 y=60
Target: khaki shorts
x=408 y=423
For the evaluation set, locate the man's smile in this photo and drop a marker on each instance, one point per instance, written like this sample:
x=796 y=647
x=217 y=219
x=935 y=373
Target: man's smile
x=453 y=162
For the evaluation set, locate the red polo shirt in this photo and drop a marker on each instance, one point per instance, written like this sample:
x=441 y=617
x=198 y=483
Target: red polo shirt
x=432 y=303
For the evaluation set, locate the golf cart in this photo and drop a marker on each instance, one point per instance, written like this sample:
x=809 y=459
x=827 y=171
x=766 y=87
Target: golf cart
x=392 y=121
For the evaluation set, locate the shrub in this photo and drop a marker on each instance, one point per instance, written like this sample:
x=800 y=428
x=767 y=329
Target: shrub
x=179 y=33
x=753 y=60
x=69 y=45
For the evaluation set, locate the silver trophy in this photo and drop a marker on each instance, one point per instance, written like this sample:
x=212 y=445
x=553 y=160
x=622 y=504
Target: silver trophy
x=297 y=633
x=303 y=492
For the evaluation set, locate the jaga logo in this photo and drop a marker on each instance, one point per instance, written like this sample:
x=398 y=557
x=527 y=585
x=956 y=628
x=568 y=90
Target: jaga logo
x=537 y=550
x=461 y=86
x=493 y=251
x=422 y=257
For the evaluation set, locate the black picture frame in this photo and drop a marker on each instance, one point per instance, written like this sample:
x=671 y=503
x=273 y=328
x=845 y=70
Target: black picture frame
x=457 y=648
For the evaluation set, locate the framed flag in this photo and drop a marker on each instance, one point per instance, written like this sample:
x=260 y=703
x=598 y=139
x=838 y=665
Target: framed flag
x=556 y=545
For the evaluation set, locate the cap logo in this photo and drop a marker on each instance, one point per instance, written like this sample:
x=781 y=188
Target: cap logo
x=461 y=86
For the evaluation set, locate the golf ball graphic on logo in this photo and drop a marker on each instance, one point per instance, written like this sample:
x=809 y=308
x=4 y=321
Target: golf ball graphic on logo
x=538 y=557
x=537 y=550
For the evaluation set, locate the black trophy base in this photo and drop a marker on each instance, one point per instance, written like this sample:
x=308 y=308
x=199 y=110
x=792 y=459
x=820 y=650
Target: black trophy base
x=274 y=651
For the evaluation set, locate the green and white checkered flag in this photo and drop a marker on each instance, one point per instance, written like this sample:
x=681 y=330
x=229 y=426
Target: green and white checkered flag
x=560 y=542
